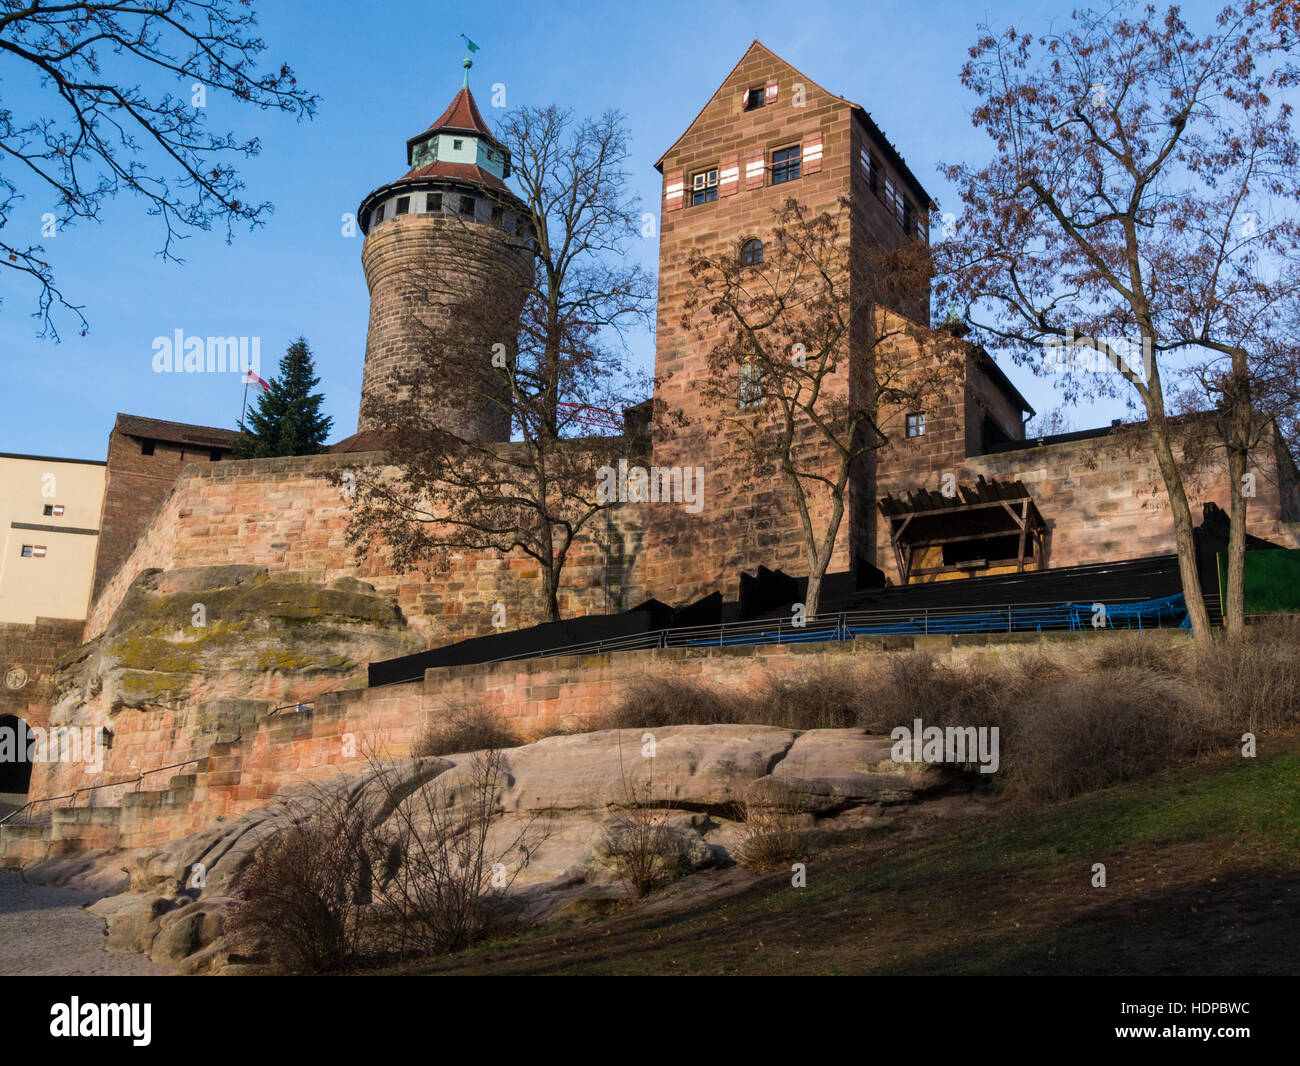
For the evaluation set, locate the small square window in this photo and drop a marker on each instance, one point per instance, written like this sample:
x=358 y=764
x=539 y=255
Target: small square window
x=146 y=447
x=403 y=205
x=457 y=145
x=755 y=98
x=704 y=187
x=433 y=202
x=215 y=455
x=467 y=205
x=54 y=509
x=916 y=425
x=27 y=551
x=785 y=165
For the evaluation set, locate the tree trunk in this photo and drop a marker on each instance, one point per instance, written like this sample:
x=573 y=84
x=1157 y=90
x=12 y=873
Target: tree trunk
x=1234 y=610
x=1158 y=430
x=551 y=582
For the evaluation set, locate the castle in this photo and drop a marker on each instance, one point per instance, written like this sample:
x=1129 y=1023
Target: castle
x=172 y=498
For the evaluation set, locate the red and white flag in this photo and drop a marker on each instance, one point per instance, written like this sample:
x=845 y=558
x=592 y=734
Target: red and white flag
x=252 y=379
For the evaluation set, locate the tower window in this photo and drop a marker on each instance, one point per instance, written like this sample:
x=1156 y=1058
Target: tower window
x=215 y=455
x=378 y=215
x=704 y=187
x=871 y=167
x=55 y=509
x=895 y=201
x=498 y=214
x=785 y=165
x=433 y=202
x=755 y=98
x=751 y=252
x=403 y=205
x=146 y=447
x=916 y=425
x=457 y=145
x=467 y=205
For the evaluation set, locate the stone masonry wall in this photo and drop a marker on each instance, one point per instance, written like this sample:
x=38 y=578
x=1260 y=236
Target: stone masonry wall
x=28 y=654
x=282 y=514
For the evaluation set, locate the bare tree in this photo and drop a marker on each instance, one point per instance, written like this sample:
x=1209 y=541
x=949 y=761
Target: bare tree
x=1139 y=204
x=101 y=133
x=826 y=367
x=543 y=347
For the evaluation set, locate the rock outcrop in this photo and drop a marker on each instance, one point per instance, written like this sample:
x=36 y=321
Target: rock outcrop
x=575 y=790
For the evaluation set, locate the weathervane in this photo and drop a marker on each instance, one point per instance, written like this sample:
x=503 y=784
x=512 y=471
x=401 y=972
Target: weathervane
x=470 y=49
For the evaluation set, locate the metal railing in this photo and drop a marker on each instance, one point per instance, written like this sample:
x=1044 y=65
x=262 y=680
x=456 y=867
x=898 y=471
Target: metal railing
x=91 y=792
x=1132 y=613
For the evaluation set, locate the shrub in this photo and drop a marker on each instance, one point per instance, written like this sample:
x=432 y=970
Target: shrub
x=1254 y=679
x=1138 y=650
x=465 y=728
x=773 y=830
x=660 y=702
x=301 y=894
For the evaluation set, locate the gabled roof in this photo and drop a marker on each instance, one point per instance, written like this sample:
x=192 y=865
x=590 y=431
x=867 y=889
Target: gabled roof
x=860 y=113
x=175 y=432
x=462 y=116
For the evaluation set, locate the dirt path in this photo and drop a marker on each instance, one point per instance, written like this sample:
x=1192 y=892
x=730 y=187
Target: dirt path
x=45 y=933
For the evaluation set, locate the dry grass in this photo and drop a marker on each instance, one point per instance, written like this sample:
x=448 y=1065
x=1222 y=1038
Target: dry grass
x=1071 y=719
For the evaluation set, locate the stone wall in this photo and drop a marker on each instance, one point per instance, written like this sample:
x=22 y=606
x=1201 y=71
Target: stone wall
x=284 y=515
x=534 y=697
x=28 y=654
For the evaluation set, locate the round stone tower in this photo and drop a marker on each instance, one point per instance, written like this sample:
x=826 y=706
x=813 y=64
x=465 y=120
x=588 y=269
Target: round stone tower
x=452 y=218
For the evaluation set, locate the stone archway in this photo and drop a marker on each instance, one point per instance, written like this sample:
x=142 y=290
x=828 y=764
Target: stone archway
x=15 y=770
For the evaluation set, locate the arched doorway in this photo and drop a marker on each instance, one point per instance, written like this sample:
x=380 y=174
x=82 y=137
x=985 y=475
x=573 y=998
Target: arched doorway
x=15 y=770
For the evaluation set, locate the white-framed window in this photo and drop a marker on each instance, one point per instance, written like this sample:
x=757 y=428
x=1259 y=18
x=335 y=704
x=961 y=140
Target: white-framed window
x=704 y=186
x=916 y=425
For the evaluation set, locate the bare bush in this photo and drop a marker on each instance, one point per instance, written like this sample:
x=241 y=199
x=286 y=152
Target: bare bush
x=660 y=702
x=1139 y=650
x=1254 y=679
x=774 y=823
x=301 y=895
x=440 y=871
x=465 y=727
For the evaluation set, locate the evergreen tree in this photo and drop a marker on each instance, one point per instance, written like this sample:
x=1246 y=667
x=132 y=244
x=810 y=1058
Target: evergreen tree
x=286 y=419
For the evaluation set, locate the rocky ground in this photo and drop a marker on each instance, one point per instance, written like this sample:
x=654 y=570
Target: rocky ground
x=46 y=932
x=567 y=797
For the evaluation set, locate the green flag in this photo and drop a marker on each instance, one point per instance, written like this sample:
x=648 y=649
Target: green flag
x=472 y=46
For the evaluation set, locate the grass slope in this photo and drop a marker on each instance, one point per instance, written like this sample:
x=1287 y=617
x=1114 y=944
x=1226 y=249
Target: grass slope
x=1203 y=877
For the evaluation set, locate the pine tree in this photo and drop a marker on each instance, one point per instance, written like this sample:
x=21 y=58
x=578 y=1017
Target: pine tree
x=286 y=419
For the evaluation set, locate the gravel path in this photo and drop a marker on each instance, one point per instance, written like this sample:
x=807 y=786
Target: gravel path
x=45 y=933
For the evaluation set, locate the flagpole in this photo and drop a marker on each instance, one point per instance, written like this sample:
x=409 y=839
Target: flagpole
x=244 y=411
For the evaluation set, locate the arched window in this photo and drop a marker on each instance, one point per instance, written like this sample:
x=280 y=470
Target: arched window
x=751 y=252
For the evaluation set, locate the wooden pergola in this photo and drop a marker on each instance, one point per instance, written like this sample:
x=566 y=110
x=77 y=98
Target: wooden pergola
x=985 y=510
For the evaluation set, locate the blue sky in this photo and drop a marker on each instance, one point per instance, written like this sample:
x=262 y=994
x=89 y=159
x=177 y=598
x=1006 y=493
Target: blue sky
x=384 y=71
